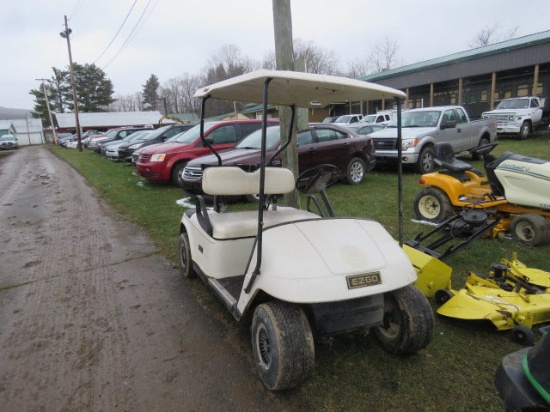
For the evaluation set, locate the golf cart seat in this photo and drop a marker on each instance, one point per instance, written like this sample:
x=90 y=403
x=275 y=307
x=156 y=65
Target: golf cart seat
x=445 y=157
x=234 y=181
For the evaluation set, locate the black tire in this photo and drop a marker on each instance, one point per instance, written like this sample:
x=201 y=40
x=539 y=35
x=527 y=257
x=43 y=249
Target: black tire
x=408 y=321
x=433 y=205
x=355 y=172
x=175 y=174
x=530 y=229
x=524 y=131
x=442 y=296
x=186 y=263
x=425 y=162
x=482 y=142
x=523 y=335
x=282 y=343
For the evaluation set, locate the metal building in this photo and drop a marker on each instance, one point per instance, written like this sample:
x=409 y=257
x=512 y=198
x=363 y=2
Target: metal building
x=474 y=78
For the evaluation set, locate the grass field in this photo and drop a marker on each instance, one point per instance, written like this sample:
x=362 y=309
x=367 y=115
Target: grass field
x=352 y=373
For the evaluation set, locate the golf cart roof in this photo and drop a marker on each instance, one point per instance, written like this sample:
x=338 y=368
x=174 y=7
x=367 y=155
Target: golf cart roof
x=296 y=88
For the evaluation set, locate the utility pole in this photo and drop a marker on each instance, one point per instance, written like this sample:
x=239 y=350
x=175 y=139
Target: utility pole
x=284 y=56
x=66 y=34
x=55 y=142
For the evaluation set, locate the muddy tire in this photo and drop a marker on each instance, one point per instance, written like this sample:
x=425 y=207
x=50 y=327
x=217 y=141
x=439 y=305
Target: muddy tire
x=530 y=229
x=426 y=162
x=186 y=263
x=355 y=173
x=408 y=322
x=433 y=205
x=282 y=343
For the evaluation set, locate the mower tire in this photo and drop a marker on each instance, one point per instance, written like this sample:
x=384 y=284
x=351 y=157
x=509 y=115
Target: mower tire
x=433 y=205
x=530 y=229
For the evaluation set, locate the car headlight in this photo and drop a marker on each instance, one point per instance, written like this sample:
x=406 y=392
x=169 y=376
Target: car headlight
x=407 y=144
x=158 y=157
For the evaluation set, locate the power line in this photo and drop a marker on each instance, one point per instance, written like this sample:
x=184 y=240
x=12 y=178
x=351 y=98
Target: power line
x=118 y=31
x=134 y=31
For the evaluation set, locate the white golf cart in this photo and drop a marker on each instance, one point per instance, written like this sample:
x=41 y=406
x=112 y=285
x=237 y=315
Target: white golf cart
x=303 y=273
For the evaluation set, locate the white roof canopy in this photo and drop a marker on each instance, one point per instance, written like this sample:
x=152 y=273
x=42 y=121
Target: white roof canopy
x=297 y=88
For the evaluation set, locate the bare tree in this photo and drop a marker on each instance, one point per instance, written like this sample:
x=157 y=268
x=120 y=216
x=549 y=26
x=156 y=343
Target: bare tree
x=318 y=60
x=384 y=55
x=227 y=63
x=179 y=92
x=491 y=34
x=126 y=103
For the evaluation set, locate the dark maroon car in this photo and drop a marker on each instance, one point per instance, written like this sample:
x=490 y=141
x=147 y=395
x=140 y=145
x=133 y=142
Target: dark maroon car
x=320 y=143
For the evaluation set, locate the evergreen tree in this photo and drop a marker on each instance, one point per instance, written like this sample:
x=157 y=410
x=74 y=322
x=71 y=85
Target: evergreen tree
x=150 y=93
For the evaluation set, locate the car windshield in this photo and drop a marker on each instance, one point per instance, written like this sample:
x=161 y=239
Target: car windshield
x=189 y=136
x=368 y=119
x=422 y=118
x=514 y=104
x=254 y=139
x=155 y=133
x=343 y=119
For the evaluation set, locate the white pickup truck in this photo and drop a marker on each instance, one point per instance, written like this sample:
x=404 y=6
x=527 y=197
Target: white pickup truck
x=518 y=116
x=423 y=128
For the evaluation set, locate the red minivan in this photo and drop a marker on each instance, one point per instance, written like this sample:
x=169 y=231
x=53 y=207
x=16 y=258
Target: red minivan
x=164 y=162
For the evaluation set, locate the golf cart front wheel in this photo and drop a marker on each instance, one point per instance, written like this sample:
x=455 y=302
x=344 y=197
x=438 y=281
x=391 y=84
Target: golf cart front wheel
x=433 y=205
x=408 y=321
x=282 y=343
x=530 y=229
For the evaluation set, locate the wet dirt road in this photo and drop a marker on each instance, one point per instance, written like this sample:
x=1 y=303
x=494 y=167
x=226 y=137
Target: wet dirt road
x=92 y=318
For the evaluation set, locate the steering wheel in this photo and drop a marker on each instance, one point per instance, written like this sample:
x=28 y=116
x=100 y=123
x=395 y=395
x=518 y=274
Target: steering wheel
x=317 y=179
x=483 y=150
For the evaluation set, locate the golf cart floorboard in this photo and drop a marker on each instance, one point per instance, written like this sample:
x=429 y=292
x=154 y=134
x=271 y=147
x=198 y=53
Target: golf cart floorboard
x=233 y=285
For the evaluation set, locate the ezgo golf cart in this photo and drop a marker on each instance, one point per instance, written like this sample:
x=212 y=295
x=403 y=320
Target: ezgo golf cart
x=303 y=275
x=515 y=189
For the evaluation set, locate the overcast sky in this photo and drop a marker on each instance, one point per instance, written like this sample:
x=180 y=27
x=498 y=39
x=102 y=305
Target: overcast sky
x=169 y=38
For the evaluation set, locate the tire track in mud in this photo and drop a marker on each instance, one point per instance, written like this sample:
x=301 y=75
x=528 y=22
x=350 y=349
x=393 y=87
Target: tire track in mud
x=92 y=319
x=70 y=337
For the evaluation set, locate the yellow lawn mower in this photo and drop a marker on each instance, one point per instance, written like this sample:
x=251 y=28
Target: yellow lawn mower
x=514 y=189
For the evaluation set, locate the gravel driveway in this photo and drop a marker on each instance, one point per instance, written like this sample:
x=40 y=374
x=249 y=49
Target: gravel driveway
x=92 y=318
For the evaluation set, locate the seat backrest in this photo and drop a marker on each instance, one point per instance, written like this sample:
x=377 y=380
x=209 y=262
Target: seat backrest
x=444 y=151
x=234 y=181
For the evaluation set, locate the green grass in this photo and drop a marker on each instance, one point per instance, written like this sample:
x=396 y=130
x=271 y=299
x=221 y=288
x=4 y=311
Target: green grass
x=352 y=373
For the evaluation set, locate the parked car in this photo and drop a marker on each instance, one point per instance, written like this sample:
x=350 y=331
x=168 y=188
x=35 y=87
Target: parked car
x=164 y=162
x=348 y=118
x=423 y=128
x=381 y=117
x=320 y=143
x=114 y=134
x=330 y=119
x=112 y=148
x=8 y=141
x=364 y=129
x=158 y=136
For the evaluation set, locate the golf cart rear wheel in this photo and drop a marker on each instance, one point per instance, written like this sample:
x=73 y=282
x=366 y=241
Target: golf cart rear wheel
x=186 y=264
x=523 y=335
x=408 y=321
x=530 y=229
x=433 y=205
x=282 y=343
